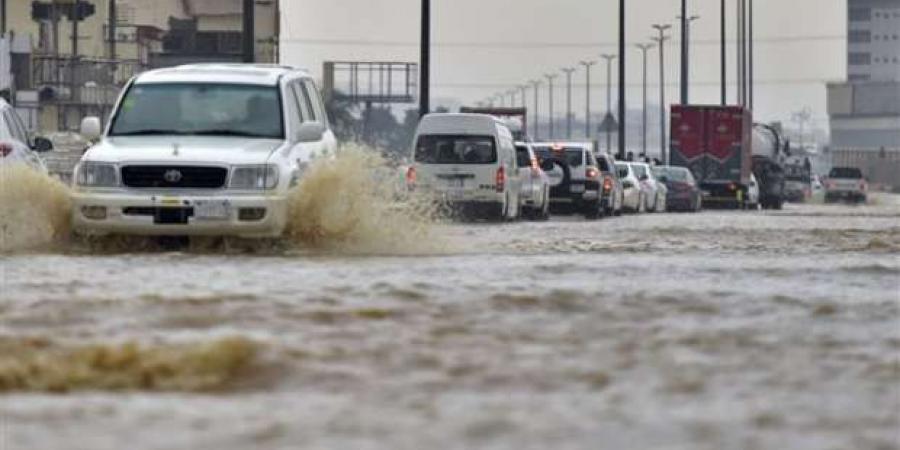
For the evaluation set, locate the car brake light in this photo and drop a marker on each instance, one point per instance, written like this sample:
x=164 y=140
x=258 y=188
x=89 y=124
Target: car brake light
x=411 y=176
x=501 y=179
x=607 y=184
x=591 y=173
x=5 y=150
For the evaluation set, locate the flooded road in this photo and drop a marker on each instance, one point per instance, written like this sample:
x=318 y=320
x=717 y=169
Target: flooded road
x=722 y=330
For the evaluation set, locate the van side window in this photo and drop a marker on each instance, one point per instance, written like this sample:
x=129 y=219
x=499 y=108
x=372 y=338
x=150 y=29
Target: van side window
x=318 y=107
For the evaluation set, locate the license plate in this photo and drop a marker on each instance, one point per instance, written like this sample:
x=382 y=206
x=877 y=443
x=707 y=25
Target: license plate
x=706 y=193
x=456 y=183
x=212 y=210
x=577 y=188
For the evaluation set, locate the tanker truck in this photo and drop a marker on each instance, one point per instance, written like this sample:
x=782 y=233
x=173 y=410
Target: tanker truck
x=769 y=153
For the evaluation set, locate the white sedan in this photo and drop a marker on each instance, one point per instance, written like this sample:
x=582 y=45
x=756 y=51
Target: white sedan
x=16 y=146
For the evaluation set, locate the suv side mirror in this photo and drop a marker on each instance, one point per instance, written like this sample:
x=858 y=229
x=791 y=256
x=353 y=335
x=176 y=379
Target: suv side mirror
x=644 y=177
x=42 y=144
x=310 y=132
x=663 y=179
x=547 y=165
x=90 y=128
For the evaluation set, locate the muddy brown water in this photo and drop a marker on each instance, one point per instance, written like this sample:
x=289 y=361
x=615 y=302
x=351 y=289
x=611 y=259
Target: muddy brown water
x=720 y=330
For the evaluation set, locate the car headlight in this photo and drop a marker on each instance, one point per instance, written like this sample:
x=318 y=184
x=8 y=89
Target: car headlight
x=262 y=177
x=94 y=174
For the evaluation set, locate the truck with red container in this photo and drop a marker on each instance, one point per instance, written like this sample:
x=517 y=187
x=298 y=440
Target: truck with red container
x=715 y=143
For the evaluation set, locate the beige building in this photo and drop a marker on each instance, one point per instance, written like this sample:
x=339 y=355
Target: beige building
x=57 y=76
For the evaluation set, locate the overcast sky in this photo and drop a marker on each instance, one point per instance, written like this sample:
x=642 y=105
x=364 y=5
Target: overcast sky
x=486 y=46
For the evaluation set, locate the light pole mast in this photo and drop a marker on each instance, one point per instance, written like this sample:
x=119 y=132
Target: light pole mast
x=536 y=84
x=609 y=59
x=643 y=48
x=622 y=78
x=661 y=41
x=568 y=71
x=587 y=96
x=684 y=53
x=550 y=77
x=724 y=55
x=425 y=60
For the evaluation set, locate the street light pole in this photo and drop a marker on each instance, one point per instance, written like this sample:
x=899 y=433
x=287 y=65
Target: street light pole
x=661 y=41
x=550 y=77
x=643 y=48
x=750 y=51
x=622 y=78
x=724 y=55
x=536 y=84
x=587 y=94
x=425 y=60
x=684 y=53
x=609 y=59
x=568 y=71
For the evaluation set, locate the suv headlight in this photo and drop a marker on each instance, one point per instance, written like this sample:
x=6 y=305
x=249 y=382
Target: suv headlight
x=256 y=178
x=94 y=174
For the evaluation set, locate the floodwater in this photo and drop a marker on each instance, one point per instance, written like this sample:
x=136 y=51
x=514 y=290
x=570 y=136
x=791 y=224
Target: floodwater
x=721 y=330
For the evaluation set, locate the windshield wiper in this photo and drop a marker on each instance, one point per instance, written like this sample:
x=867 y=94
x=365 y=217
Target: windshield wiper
x=149 y=132
x=224 y=132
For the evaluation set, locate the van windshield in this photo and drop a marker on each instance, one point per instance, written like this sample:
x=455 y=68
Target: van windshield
x=200 y=109
x=456 y=149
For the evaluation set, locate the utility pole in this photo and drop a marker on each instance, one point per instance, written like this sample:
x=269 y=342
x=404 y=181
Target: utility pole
x=111 y=26
x=522 y=90
x=643 y=48
x=2 y=18
x=587 y=94
x=622 y=78
x=550 y=77
x=724 y=55
x=425 y=60
x=249 y=31
x=609 y=59
x=568 y=71
x=512 y=97
x=742 y=50
x=661 y=41
x=536 y=84
x=684 y=53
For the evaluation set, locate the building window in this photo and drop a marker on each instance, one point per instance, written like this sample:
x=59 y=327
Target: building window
x=859 y=36
x=859 y=59
x=860 y=14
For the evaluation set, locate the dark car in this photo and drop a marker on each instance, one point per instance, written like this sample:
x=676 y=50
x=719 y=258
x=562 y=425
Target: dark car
x=684 y=192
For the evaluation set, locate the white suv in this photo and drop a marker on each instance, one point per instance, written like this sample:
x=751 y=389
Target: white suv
x=201 y=150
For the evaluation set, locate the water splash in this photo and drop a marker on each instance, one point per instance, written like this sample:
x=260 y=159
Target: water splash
x=356 y=203
x=34 y=210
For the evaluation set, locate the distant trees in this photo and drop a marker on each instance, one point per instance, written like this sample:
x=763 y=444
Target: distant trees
x=374 y=125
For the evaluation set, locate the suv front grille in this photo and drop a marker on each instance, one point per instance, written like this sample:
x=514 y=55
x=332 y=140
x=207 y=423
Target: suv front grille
x=174 y=177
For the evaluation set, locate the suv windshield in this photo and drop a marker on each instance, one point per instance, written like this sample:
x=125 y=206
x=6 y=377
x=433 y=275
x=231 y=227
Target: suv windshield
x=200 y=109
x=846 y=172
x=456 y=149
x=574 y=157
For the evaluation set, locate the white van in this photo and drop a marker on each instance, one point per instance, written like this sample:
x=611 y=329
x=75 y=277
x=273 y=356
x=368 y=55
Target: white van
x=469 y=162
